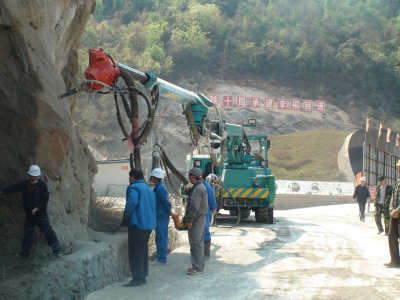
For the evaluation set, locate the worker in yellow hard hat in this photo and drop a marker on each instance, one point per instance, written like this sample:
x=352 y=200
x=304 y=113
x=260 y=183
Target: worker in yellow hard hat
x=394 y=225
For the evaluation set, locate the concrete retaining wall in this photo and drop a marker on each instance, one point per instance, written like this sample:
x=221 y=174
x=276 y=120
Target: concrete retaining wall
x=291 y=201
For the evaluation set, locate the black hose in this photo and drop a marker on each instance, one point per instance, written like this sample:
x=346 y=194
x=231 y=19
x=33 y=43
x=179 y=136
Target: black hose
x=173 y=169
x=237 y=207
x=131 y=85
x=121 y=124
x=169 y=178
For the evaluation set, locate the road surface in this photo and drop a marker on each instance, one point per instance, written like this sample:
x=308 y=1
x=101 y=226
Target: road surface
x=311 y=253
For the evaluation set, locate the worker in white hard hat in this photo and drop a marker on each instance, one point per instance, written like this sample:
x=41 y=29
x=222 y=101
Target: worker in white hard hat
x=163 y=212
x=35 y=196
x=394 y=232
x=361 y=193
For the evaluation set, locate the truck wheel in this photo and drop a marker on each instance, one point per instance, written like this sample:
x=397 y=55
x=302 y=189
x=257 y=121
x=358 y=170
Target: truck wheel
x=270 y=216
x=244 y=213
x=262 y=215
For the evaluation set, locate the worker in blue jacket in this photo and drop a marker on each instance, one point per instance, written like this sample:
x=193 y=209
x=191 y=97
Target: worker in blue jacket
x=140 y=210
x=35 y=196
x=163 y=211
x=212 y=209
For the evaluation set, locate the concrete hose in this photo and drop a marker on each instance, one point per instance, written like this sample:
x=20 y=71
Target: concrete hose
x=217 y=162
x=173 y=169
x=148 y=128
x=237 y=205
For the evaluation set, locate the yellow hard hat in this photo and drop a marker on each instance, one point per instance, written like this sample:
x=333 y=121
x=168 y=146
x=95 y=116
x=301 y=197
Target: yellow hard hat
x=398 y=164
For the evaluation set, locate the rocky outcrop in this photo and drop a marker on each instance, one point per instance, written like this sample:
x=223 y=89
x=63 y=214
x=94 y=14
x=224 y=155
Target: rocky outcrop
x=39 y=41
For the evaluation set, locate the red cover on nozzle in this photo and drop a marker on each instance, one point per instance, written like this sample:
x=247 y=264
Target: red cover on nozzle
x=101 y=68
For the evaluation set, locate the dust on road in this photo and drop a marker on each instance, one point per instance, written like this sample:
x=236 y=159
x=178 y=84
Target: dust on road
x=311 y=253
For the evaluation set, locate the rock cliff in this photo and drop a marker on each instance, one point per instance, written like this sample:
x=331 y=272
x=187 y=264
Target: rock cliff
x=38 y=55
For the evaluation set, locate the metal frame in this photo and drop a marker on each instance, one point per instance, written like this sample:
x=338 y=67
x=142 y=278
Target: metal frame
x=378 y=162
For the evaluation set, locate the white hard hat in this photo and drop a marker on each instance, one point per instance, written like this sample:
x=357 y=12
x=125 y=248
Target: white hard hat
x=363 y=179
x=34 y=170
x=158 y=173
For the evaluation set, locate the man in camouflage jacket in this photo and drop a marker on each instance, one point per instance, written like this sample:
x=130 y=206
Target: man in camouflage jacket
x=394 y=225
x=382 y=199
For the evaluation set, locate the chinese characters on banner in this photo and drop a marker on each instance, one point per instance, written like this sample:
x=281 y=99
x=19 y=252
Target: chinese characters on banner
x=241 y=101
x=319 y=105
x=214 y=99
x=307 y=105
x=295 y=104
x=282 y=103
x=255 y=102
x=227 y=101
x=269 y=103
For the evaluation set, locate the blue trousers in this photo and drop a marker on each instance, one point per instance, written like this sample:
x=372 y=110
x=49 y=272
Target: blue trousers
x=42 y=221
x=162 y=239
x=207 y=235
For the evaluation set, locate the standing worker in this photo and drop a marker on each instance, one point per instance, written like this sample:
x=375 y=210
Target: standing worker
x=140 y=210
x=362 y=194
x=382 y=199
x=394 y=225
x=212 y=209
x=163 y=211
x=196 y=209
x=35 y=196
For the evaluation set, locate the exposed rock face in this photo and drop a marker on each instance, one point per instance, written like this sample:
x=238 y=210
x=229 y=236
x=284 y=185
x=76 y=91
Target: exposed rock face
x=39 y=39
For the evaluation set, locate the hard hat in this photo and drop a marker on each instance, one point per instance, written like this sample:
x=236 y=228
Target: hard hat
x=398 y=164
x=196 y=172
x=158 y=173
x=34 y=170
x=363 y=179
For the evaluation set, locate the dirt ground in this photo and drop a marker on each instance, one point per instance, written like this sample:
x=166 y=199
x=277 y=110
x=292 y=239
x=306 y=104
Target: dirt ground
x=312 y=253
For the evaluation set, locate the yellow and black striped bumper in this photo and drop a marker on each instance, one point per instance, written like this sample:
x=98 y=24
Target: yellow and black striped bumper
x=256 y=193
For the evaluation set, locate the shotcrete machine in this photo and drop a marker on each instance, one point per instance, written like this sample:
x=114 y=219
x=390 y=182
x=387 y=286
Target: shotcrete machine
x=241 y=178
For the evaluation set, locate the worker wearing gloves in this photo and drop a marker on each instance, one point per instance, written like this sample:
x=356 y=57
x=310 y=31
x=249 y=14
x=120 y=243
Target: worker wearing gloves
x=195 y=218
x=163 y=211
x=362 y=194
x=212 y=209
x=140 y=210
x=383 y=195
x=35 y=196
x=394 y=233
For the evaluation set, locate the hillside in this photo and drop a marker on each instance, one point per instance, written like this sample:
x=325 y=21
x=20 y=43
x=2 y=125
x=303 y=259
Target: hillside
x=307 y=155
x=342 y=51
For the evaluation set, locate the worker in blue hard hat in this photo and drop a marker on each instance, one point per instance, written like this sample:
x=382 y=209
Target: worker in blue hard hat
x=212 y=209
x=35 y=196
x=163 y=211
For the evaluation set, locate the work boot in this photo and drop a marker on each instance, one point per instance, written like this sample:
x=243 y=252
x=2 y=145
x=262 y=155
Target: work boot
x=133 y=282
x=362 y=219
x=21 y=255
x=386 y=233
x=193 y=272
x=158 y=263
x=379 y=231
x=58 y=254
x=392 y=264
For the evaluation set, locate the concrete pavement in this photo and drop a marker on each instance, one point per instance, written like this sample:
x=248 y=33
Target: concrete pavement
x=311 y=253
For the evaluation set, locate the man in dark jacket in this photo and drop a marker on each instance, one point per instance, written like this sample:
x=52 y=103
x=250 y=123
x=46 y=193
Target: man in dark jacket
x=35 y=196
x=140 y=210
x=362 y=194
x=195 y=217
x=382 y=199
x=394 y=234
